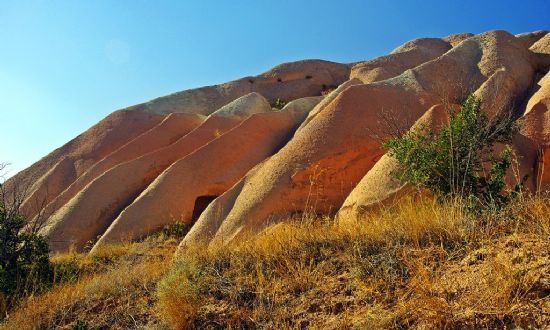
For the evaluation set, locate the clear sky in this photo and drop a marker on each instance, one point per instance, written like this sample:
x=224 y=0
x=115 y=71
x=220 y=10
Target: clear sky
x=64 y=65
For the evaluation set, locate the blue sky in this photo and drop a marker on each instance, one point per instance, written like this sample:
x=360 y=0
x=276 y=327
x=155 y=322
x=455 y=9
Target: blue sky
x=64 y=65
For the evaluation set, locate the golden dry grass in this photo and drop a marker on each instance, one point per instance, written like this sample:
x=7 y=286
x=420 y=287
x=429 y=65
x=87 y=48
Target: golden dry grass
x=112 y=289
x=417 y=264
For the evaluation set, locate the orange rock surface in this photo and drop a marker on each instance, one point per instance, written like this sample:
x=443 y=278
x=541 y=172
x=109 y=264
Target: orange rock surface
x=173 y=127
x=177 y=193
x=89 y=213
x=222 y=156
x=326 y=159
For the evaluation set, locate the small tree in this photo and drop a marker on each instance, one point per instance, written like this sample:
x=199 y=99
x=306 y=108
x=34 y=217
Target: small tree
x=24 y=255
x=460 y=159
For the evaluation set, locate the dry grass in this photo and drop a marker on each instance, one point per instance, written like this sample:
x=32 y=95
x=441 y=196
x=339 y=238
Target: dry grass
x=417 y=264
x=112 y=289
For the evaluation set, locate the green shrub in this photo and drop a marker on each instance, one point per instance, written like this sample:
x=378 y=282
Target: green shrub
x=177 y=230
x=24 y=255
x=79 y=325
x=24 y=261
x=459 y=160
x=66 y=272
x=279 y=103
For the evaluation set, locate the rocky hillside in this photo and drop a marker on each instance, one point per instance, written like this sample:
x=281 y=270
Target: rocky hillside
x=221 y=158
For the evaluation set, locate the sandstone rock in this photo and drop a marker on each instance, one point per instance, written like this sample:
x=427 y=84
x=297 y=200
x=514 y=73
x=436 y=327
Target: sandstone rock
x=542 y=45
x=49 y=185
x=210 y=221
x=173 y=127
x=457 y=38
x=91 y=211
x=378 y=187
x=186 y=187
x=405 y=57
x=430 y=44
x=536 y=120
x=326 y=159
x=501 y=94
x=329 y=98
x=42 y=185
x=498 y=93
x=288 y=81
x=536 y=131
x=154 y=161
x=529 y=38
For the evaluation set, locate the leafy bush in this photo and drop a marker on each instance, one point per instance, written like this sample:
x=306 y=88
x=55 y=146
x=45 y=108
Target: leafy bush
x=24 y=255
x=279 y=103
x=66 y=272
x=177 y=230
x=24 y=261
x=459 y=160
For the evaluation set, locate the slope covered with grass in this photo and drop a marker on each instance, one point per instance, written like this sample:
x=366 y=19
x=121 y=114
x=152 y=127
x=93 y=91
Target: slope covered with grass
x=416 y=264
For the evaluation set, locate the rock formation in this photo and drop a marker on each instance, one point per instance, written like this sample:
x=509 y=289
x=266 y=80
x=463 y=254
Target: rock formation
x=407 y=56
x=221 y=159
x=89 y=213
x=183 y=190
x=48 y=177
x=326 y=159
x=288 y=81
x=173 y=127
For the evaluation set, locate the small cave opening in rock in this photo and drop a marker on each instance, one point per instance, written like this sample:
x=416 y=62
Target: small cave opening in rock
x=201 y=203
